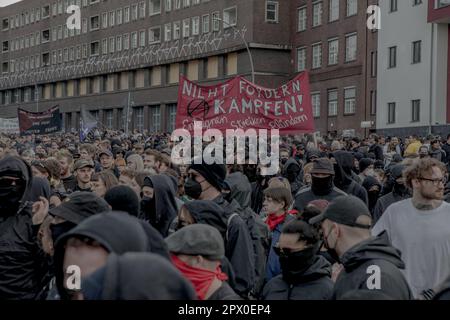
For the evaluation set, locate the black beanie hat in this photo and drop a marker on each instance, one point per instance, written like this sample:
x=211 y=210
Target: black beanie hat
x=213 y=173
x=364 y=163
x=123 y=198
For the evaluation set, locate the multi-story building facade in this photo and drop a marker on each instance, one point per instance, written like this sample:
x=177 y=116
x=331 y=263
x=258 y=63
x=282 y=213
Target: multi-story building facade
x=439 y=14
x=332 y=41
x=412 y=69
x=128 y=55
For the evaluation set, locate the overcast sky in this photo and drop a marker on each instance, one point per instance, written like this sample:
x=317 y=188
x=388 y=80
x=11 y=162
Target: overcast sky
x=7 y=2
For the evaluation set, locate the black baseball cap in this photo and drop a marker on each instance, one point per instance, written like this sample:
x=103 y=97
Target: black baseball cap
x=79 y=206
x=344 y=210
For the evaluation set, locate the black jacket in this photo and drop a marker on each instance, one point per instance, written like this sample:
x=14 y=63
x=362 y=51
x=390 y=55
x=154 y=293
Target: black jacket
x=377 y=150
x=446 y=148
x=306 y=195
x=343 y=178
x=165 y=205
x=127 y=277
x=314 y=284
x=239 y=247
x=22 y=262
x=361 y=264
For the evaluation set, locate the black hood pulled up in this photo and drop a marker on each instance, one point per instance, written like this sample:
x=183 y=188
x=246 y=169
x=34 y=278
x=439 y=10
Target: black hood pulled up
x=117 y=232
x=15 y=166
x=343 y=168
x=164 y=201
x=241 y=189
x=138 y=276
x=208 y=212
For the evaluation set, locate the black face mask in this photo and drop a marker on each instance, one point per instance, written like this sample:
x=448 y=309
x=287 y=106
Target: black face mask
x=283 y=161
x=294 y=265
x=148 y=209
x=59 y=229
x=192 y=188
x=10 y=196
x=321 y=186
x=373 y=198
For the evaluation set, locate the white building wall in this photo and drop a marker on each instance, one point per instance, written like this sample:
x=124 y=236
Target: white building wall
x=407 y=81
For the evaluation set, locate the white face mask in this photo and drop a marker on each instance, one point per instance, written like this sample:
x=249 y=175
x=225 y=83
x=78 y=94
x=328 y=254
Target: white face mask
x=370 y=172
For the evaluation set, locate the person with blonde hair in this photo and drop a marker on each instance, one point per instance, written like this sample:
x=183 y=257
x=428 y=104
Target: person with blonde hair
x=134 y=162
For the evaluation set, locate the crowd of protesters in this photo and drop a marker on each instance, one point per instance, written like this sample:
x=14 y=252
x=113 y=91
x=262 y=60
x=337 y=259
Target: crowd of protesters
x=343 y=219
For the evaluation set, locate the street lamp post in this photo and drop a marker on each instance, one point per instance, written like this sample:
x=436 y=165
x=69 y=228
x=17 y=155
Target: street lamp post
x=246 y=46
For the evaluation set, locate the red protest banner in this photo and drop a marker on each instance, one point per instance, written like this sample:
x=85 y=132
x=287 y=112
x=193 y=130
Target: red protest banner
x=240 y=104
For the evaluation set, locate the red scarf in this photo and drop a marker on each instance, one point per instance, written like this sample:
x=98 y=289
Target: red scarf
x=273 y=220
x=200 y=278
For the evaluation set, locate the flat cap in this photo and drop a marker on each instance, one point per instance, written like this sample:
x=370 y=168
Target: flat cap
x=197 y=240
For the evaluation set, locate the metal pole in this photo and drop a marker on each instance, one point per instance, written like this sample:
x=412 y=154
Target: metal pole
x=246 y=46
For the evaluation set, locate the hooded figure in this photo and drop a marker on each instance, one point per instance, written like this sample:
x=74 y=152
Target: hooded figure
x=116 y=232
x=373 y=251
x=21 y=259
x=292 y=171
x=373 y=188
x=40 y=187
x=313 y=284
x=160 y=210
x=399 y=192
x=210 y=213
x=127 y=277
x=241 y=189
x=123 y=198
x=343 y=175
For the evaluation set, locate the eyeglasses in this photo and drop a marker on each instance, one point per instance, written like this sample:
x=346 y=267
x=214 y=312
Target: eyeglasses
x=436 y=182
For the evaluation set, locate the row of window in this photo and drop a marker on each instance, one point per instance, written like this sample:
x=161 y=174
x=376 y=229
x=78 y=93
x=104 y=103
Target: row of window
x=37 y=14
x=333 y=102
x=392 y=115
x=351 y=49
x=393 y=5
x=137 y=116
x=317 y=13
x=172 y=31
x=416 y=54
x=209 y=68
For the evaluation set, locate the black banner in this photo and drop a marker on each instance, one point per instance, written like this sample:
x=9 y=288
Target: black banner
x=39 y=122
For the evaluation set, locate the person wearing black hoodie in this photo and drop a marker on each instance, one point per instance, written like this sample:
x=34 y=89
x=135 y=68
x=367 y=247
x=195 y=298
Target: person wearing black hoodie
x=21 y=259
x=89 y=244
x=206 y=182
x=343 y=175
x=292 y=171
x=127 y=277
x=368 y=262
x=158 y=205
x=373 y=188
x=322 y=186
x=399 y=192
x=305 y=274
